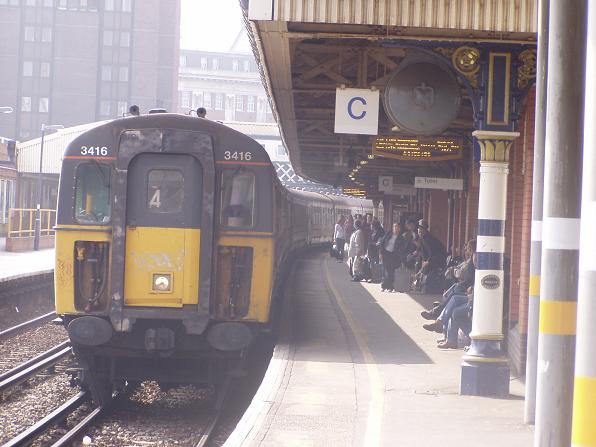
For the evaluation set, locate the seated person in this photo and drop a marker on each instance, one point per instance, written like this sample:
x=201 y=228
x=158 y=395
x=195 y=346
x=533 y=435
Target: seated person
x=440 y=324
x=461 y=318
x=464 y=274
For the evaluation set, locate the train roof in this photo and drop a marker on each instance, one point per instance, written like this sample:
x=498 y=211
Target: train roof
x=220 y=132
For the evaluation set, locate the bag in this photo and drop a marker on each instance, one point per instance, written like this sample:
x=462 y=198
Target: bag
x=377 y=272
x=359 y=267
x=401 y=283
x=366 y=268
x=334 y=252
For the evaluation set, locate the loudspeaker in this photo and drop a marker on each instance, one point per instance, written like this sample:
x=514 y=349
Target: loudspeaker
x=422 y=97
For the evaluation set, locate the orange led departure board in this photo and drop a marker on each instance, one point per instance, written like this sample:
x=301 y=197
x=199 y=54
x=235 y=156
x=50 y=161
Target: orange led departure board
x=354 y=192
x=418 y=148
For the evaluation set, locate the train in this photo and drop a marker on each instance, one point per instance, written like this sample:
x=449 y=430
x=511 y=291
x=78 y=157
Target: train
x=172 y=236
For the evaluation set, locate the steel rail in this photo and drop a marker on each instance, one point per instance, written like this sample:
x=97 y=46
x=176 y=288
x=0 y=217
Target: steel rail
x=23 y=375
x=26 y=437
x=33 y=361
x=75 y=432
x=31 y=323
x=219 y=403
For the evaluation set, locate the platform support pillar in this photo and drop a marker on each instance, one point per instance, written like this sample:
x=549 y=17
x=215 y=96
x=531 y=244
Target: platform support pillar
x=561 y=223
x=485 y=369
x=537 y=199
x=584 y=409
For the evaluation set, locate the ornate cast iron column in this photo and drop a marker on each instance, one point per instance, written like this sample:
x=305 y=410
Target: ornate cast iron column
x=485 y=369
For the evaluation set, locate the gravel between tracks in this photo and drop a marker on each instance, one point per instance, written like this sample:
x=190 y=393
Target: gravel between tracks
x=26 y=406
x=151 y=417
x=27 y=345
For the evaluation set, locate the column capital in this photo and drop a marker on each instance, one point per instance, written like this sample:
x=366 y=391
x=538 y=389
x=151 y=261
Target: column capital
x=494 y=145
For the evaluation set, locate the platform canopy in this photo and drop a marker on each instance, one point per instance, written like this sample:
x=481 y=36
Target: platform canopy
x=308 y=50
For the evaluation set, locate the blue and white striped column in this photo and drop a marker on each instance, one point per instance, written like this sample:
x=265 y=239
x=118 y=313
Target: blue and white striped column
x=485 y=371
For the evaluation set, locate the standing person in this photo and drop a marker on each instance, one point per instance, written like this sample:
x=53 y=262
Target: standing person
x=356 y=252
x=412 y=228
x=202 y=112
x=376 y=234
x=433 y=252
x=391 y=247
x=339 y=237
x=349 y=227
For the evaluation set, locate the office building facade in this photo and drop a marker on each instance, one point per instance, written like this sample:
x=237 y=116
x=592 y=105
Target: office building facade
x=71 y=62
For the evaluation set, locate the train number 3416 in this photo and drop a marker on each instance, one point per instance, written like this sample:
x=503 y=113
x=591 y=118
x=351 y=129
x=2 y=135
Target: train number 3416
x=235 y=155
x=94 y=150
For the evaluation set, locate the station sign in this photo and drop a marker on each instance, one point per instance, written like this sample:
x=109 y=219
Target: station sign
x=419 y=148
x=357 y=111
x=387 y=186
x=439 y=183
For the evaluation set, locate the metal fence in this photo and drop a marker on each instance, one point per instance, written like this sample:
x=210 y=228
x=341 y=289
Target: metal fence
x=21 y=222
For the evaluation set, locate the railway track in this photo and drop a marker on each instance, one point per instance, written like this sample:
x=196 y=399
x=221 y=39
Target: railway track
x=27 y=325
x=220 y=400
x=32 y=367
x=57 y=416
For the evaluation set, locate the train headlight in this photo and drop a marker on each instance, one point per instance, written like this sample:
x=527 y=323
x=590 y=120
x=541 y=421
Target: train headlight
x=162 y=282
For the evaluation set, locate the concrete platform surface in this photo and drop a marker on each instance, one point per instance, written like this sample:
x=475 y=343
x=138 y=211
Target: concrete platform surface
x=356 y=368
x=16 y=265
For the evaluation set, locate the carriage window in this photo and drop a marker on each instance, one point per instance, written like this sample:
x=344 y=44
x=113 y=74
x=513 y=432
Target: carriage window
x=92 y=193
x=237 y=198
x=165 y=191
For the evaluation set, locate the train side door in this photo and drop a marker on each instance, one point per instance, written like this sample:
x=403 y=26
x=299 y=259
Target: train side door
x=163 y=230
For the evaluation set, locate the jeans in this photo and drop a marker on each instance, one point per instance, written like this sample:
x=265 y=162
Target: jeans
x=460 y=319
x=389 y=267
x=452 y=304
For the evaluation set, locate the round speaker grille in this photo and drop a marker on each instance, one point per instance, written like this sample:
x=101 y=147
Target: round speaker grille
x=422 y=98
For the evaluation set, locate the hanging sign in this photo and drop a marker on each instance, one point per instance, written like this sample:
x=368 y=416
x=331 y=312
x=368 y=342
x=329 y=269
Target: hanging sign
x=417 y=148
x=357 y=111
x=439 y=183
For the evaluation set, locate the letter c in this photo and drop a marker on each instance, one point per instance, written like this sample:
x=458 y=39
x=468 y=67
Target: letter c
x=351 y=103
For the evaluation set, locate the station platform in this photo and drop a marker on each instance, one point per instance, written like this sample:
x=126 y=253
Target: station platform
x=354 y=367
x=14 y=265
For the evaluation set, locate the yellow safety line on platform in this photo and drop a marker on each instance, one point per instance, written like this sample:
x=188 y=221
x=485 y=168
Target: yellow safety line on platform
x=372 y=436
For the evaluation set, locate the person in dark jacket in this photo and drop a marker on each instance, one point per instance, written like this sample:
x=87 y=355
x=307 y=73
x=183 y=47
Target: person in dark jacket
x=375 y=236
x=391 y=247
x=433 y=251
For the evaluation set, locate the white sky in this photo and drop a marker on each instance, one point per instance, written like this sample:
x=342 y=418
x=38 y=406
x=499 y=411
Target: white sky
x=210 y=25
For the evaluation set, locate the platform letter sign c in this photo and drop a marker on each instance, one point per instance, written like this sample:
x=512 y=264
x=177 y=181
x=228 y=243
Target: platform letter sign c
x=351 y=110
x=356 y=111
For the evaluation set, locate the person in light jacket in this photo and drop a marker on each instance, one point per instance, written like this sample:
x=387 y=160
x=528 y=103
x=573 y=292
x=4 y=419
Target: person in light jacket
x=339 y=237
x=357 y=251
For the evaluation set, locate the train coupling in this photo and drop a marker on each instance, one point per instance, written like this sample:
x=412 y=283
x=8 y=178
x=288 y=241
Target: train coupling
x=160 y=339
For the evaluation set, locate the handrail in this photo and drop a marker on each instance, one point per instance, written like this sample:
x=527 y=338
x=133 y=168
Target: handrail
x=21 y=222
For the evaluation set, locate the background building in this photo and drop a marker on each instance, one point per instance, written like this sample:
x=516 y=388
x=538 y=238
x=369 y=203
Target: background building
x=78 y=61
x=227 y=84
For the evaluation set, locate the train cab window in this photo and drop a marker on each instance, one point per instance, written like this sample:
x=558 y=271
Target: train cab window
x=165 y=191
x=237 y=198
x=92 y=193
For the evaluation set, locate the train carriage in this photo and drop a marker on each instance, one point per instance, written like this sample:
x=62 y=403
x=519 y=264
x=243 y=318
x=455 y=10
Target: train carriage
x=171 y=233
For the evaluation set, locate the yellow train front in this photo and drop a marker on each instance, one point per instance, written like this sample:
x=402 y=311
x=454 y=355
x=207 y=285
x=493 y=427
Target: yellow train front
x=165 y=249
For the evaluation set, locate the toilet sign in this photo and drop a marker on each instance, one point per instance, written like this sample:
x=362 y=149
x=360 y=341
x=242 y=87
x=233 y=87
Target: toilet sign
x=357 y=111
